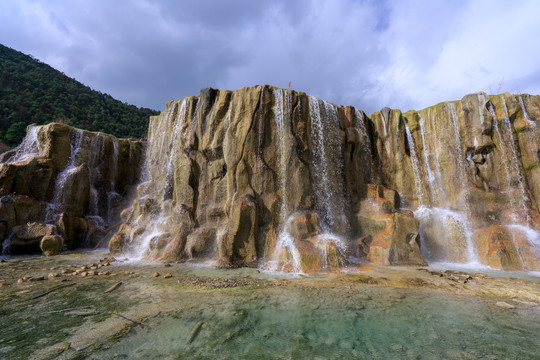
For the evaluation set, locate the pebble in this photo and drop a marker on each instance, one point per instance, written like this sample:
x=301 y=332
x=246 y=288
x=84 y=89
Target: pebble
x=166 y=276
x=167 y=265
x=53 y=275
x=101 y=273
x=156 y=274
x=67 y=271
x=505 y=305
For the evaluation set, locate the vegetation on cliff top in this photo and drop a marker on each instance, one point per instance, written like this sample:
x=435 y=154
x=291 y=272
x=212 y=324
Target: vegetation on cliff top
x=34 y=92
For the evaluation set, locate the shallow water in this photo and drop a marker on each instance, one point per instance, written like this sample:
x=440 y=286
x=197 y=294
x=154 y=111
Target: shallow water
x=268 y=315
x=377 y=323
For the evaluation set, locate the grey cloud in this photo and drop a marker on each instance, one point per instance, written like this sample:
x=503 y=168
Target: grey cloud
x=367 y=53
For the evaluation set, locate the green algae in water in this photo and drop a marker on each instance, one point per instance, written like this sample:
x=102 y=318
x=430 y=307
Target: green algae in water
x=377 y=323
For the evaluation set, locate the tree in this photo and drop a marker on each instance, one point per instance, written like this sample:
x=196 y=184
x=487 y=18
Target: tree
x=15 y=133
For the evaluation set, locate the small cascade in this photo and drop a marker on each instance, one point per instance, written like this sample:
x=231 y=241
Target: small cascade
x=449 y=231
x=327 y=165
x=94 y=158
x=284 y=240
x=450 y=234
x=27 y=148
x=55 y=206
x=177 y=130
x=462 y=172
x=415 y=165
x=165 y=146
x=112 y=195
x=6 y=246
x=512 y=157
x=525 y=114
x=433 y=187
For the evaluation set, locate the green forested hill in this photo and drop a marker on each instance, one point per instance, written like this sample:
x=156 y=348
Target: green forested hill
x=34 y=92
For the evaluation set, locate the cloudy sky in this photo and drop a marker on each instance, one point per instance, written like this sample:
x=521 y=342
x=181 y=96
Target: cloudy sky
x=404 y=54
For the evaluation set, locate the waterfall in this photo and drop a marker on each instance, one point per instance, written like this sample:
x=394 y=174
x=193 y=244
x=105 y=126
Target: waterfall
x=507 y=128
x=284 y=240
x=165 y=144
x=327 y=176
x=462 y=173
x=431 y=178
x=112 y=195
x=27 y=148
x=415 y=165
x=6 y=245
x=525 y=114
x=55 y=206
x=445 y=234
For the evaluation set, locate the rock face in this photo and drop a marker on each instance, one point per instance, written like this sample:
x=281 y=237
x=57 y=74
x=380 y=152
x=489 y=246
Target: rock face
x=265 y=173
x=63 y=184
x=470 y=170
x=237 y=165
x=273 y=176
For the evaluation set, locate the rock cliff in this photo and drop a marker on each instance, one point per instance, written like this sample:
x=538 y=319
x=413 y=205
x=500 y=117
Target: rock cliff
x=63 y=187
x=277 y=178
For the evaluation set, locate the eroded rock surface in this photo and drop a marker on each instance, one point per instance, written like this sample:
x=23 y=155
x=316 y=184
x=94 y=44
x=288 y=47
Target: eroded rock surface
x=66 y=183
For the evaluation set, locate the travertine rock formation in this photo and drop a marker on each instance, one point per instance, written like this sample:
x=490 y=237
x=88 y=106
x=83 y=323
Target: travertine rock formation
x=65 y=182
x=266 y=173
x=281 y=179
x=470 y=169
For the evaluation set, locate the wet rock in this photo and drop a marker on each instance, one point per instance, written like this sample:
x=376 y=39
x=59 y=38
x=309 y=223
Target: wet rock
x=51 y=245
x=201 y=243
x=240 y=244
x=506 y=248
x=303 y=225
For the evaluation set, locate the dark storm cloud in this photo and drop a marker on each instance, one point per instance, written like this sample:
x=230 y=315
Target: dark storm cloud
x=406 y=54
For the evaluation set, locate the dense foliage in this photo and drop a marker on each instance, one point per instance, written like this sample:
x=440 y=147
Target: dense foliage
x=34 y=92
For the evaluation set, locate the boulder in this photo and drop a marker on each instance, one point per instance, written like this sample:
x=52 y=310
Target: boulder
x=26 y=238
x=118 y=241
x=51 y=245
x=74 y=230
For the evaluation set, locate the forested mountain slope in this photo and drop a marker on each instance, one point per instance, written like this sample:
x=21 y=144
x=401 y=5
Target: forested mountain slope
x=34 y=92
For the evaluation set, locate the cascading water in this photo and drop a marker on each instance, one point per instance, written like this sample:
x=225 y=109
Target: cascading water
x=510 y=157
x=415 y=166
x=284 y=240
x=455 y=243
x=55 y=206
x=326 y=159
x=27 y=148
x=158 y=174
